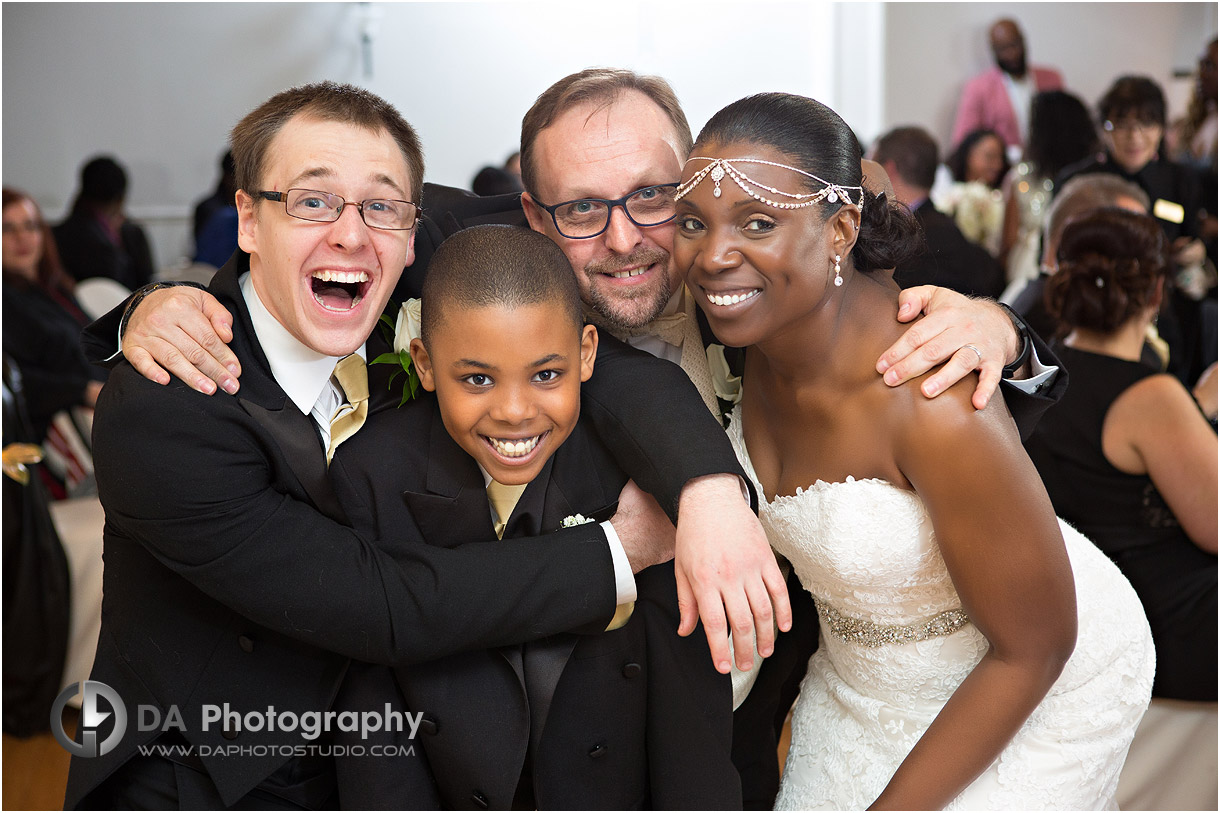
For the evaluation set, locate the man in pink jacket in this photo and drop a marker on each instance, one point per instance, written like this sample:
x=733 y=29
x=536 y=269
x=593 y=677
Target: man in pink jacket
x=999 y=98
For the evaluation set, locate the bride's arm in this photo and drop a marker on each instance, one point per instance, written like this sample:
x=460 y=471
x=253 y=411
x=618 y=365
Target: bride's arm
x=1001 y=543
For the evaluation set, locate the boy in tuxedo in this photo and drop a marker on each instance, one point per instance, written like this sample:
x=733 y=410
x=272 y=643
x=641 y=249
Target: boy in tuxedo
x=632 y=716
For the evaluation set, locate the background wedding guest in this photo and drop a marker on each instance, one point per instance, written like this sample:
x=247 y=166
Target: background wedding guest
x=1074 y=199
x=42 y=325
x=973 y=199
x=979 y=158
x=1192 y=139
x=1132 y=112
x=215 y=220
x=998 y=98
x=910 y=156
x=97 y=239
x=494 y=181
x=1127 y=456
x=1061 y=132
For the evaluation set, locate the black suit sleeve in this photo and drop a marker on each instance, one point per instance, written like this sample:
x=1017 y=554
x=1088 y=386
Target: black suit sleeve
x=1027 y=408
x=194 y=482
x=654 y=422
x=100 y=338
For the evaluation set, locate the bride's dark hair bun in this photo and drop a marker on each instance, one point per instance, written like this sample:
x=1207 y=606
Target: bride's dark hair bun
x=889 y=234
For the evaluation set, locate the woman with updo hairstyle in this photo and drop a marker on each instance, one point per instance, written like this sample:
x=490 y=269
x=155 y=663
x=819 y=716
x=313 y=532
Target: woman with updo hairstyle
x=1127 y=456
x=969 y=656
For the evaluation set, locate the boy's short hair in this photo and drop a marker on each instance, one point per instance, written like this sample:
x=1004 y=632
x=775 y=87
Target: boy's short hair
x=497 y=265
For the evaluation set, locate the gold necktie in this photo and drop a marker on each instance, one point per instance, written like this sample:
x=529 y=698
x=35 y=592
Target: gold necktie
x=353 y=378
x=503 y=500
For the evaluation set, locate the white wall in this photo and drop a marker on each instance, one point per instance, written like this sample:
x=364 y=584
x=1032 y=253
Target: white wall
x=933 y=48
x=160 y=84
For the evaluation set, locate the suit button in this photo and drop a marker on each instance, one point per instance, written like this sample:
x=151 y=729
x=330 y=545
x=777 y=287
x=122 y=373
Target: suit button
x=479 y=800
x=428 y=725
x=597 y=751
x=246 y=644
x=229 y=733
x=632 y=670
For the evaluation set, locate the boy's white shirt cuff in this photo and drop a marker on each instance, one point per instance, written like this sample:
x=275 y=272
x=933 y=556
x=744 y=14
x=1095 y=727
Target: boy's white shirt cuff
x=624 y=579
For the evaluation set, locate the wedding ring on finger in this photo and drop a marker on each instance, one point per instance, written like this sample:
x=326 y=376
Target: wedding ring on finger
x=977 y=352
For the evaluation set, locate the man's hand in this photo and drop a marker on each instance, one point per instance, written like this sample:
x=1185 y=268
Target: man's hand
x=724 y=567
x=643 y=528
x=186 y=331
x=953 y=324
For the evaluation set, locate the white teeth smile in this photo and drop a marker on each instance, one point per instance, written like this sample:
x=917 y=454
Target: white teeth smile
x=635 y=272
x=732 y=299
x=515 y=448
x=341 y=276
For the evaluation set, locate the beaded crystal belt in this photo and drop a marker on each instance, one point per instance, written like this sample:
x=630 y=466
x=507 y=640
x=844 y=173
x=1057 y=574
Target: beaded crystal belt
x=866 y=633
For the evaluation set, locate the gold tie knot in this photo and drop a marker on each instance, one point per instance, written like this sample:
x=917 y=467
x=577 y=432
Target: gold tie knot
x=503 y=500
x=353 y=378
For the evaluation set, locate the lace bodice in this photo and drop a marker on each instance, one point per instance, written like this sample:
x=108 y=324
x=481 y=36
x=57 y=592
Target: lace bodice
x=895 y=644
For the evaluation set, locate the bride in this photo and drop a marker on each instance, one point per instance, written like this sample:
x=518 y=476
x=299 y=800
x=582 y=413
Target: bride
x=975 y=653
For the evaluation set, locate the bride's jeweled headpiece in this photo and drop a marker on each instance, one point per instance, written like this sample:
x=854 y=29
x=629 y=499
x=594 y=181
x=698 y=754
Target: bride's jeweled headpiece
x=718 y=168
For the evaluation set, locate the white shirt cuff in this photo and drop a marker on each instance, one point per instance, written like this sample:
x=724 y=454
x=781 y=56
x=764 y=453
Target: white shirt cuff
x=119 y=342
x=624 y=579
x=1041 y=376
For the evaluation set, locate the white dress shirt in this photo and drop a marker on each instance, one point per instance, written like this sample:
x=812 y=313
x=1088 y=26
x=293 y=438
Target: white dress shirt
x=302 y=372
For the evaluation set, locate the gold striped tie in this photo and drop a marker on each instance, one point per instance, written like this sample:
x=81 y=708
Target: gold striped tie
x=353 y=378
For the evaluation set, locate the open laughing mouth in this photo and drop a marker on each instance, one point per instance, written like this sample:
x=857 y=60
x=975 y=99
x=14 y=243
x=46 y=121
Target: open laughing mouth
x=339 y=291
x=515 y=449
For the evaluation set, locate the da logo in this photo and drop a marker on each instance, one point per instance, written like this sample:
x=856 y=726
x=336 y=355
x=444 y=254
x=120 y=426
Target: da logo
x=92 y=716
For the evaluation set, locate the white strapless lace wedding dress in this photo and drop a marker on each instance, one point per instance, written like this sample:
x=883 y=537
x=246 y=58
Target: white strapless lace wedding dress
x=895 y=644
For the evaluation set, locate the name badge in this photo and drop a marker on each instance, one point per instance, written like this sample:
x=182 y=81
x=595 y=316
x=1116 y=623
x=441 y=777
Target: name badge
x=1168 y=210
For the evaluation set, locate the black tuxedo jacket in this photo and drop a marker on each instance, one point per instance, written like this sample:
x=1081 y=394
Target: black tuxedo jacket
x=634 y=718
x=232 y=577
x=949 y=260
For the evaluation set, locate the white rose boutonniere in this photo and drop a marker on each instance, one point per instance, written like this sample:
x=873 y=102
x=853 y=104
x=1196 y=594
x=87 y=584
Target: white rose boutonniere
x=728 y=387
x=409 y=324
x=575 y=519
x=405 y=328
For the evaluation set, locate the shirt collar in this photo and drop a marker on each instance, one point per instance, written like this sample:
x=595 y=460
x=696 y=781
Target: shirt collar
x=301 y=371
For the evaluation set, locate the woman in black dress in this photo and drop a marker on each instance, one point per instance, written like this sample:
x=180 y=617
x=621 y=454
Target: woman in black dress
x=1127 y=456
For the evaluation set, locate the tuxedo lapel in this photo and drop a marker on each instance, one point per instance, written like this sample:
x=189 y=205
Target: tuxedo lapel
x=265 y=401
x=451 y=509
x=573 y=481
x=298 y=440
